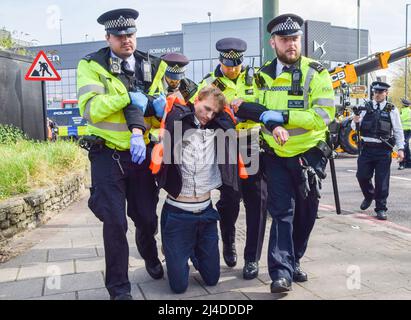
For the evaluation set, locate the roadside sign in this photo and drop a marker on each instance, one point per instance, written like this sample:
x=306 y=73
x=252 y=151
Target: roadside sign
x=358 y=92
x=42 y=69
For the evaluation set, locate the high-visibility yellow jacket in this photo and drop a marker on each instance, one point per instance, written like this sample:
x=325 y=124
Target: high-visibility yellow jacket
x=309 y=113
x=406 y=118
x=238 y=89
x=102 y=97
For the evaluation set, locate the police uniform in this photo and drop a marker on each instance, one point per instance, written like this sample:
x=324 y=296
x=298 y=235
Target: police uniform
x=184 y=88
x=104 y=82
x=406 y=126
x=253 y=189
x=302 y=96
x=380 y=130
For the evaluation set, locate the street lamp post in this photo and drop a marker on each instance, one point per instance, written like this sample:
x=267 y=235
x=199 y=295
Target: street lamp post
x=406 y=44
x=209 y=33
x=61 y=33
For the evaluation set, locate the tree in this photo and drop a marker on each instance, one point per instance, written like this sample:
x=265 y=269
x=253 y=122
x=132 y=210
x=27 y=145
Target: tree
x=8 y=44
x=397 y=90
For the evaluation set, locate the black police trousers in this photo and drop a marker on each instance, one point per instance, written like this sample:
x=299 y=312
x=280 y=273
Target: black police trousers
x=110 y=191
x=376 y=159
x=293 y=217
x=254 y=194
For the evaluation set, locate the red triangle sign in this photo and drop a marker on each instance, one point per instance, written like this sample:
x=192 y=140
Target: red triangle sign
x=42 y=69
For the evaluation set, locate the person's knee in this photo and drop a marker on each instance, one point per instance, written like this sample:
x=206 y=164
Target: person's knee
x=178 y=286
x=210 y=278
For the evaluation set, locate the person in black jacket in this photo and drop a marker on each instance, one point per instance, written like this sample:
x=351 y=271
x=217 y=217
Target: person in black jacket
x=200 y=154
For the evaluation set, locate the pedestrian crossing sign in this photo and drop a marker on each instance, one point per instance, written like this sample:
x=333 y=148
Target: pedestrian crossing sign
x=42 y=69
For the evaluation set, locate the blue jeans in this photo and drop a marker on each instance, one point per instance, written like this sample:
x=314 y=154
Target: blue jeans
x=185 y=234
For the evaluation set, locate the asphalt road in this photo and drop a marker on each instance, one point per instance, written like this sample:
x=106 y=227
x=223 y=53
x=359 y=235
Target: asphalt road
x=399 y=200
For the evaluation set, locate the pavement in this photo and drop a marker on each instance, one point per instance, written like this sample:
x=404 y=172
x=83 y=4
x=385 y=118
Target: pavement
x=350 y=257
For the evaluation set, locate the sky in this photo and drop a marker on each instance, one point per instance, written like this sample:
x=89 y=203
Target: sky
x=40 y=19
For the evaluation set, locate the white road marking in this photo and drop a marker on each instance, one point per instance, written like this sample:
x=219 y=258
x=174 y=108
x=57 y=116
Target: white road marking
x=393 y=177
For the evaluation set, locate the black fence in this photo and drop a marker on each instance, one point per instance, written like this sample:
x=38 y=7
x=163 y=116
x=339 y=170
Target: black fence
x=22 y=103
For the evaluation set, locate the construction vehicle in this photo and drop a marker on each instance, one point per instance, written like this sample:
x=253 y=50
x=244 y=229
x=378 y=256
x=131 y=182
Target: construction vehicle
x=68 y=119
x=343 y=77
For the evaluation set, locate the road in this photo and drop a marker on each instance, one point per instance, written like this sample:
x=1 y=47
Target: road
x=399 y=200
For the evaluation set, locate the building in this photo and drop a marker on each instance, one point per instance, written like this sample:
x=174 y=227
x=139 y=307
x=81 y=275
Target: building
x=321 y=41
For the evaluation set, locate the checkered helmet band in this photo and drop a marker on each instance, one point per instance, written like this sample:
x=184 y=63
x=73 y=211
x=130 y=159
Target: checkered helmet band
x=176 y=69
x=121 y=22
x=232 y=55
x=289 y=24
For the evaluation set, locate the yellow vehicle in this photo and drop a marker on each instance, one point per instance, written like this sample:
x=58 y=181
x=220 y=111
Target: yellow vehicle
x=343 y=77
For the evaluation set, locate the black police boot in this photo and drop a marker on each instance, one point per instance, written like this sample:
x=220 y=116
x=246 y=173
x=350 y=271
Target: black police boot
x=365 y=204
x=230 y=254
x=250 y=270
x=280 y=285
x=381 y=214
x=154 y=269
x=299 y=275
x=124 y=296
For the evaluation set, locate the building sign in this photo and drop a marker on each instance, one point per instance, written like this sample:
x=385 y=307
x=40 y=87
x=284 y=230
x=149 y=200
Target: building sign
x=161 y=51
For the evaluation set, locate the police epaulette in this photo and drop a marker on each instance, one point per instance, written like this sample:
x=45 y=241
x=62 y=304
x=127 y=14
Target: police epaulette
x=317 y=66
x=219 y=84
x=88 y=57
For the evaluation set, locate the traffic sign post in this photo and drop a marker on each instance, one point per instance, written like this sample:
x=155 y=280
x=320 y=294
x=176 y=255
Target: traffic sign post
x=42 y=69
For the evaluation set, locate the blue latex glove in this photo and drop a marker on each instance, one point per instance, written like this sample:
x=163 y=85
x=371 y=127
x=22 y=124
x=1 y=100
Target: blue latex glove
x=271 y=115
x=137 y=148
x=139 y=99
x=159 y=104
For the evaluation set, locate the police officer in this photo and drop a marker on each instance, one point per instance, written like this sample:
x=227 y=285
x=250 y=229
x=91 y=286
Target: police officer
x=236 y=82
x=174 y=82
x=298 y=94
x=380 y=129
x=406 y=126
x=111 y=82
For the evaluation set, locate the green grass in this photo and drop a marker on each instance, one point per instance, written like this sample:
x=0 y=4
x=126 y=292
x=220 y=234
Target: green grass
x=25 y=165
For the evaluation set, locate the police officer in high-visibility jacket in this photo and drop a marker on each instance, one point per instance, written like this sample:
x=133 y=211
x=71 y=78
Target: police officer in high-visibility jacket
x=174 y=82
x=380 y=130
x=300 y=98
x=237 y=82
x=111 y=82
x=405 y=114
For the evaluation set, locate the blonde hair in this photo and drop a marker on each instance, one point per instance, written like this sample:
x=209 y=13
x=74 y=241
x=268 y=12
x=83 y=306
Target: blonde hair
x=217 y=95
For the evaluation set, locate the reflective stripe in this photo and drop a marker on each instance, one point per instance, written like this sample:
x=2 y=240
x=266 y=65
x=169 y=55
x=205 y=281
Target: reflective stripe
x=323 y=114
x=291 y=132
x=118 y=127
x=309 y=77
x=86 y=114
x=209 y=80
x=104 y=80
x=324 y=102
x=91 y=88
x=297 y=131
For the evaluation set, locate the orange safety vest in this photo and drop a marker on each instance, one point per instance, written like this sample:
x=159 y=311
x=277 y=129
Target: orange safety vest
x=158 y=150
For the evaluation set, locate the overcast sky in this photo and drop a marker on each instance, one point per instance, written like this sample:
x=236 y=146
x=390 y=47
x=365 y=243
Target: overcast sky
x=39 y=19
